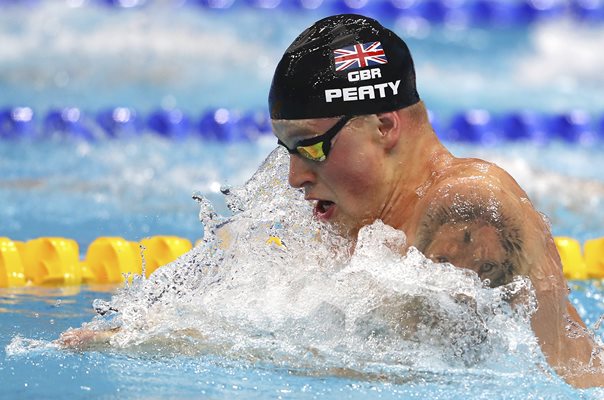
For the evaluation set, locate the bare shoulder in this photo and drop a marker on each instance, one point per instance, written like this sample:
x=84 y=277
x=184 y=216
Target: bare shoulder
x=471 y=184
x=467 y=174
x=476 y=216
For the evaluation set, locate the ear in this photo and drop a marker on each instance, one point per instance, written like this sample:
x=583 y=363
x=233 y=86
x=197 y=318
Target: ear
x=389 y=128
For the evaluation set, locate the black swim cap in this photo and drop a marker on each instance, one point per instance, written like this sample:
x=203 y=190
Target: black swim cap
x=343 y=65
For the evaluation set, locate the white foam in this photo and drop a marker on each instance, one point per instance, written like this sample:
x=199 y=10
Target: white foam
x=554 y=46
x=310 y=303
x=22 y=346
x=55 y=46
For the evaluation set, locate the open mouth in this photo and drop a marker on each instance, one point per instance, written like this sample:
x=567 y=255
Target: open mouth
x=324 y=209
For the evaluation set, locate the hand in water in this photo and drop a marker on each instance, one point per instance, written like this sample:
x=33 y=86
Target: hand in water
x=83 y=338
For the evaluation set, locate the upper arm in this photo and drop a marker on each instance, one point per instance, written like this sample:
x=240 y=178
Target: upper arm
x=492 y=212
x=478 y=221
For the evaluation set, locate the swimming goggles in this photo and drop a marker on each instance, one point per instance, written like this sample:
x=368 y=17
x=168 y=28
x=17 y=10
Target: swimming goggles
x=317 y=148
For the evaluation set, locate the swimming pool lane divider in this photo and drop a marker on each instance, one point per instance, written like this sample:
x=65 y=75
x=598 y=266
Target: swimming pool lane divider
x=55 y=261
x=488 y=13
x=230 y=126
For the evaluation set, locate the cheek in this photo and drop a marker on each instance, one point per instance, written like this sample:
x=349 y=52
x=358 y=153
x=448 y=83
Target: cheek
x=358 y=174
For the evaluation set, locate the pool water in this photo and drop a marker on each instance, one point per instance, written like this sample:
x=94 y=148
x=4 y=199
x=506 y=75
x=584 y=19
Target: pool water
x=162 y=372
x=95 y=57
x=168 y=373
x=142 y=187
x=256 y=344
x=266 y=322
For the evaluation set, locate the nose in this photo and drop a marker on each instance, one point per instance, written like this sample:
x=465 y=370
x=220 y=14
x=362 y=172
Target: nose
x=300 y=172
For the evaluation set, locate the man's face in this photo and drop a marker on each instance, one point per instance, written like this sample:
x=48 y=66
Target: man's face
x=348 y=188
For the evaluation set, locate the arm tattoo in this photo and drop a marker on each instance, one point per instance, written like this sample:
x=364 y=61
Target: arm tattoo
x=468 y=213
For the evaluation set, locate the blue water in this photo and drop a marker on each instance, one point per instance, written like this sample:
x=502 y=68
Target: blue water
x=143 y=186
x=93 y=57
x=133 y=189
x=38 y=371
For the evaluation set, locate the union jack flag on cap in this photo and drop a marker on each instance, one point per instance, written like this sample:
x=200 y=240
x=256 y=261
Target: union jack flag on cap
x=359 y=55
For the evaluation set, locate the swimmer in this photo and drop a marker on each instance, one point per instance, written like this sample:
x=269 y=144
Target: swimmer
x=343 y=102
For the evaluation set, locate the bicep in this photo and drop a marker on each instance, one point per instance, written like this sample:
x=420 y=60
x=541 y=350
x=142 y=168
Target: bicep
x=471 y=226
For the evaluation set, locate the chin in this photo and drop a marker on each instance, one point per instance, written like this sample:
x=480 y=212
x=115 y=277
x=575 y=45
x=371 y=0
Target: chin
x=339 y=227
x=345 y=225
x=347 y=229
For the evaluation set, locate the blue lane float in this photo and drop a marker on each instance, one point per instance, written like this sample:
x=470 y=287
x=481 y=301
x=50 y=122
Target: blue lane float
x=255 y=124
x=481 y=127
x=460 y=12
x=120 y=122
x=70 y=121
x=473 y=126
x=16 y=122
x=220 y=125
x=483 y=13
x=525 y=125
x=231 y=126
x=588 y=10
x=227 y=126
x=172 y=124
x=574 y=126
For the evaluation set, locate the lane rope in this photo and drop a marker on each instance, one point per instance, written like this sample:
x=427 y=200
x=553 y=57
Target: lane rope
x=56 y=261
x=224 y=125
x=481 y=13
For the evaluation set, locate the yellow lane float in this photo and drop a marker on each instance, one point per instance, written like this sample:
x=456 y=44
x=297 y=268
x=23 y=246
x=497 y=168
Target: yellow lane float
x=573 y=263
x=56 y=261
x=594 y=258
x=52 y=261
x=110 y=258
x=12 y=272
x=160 y=250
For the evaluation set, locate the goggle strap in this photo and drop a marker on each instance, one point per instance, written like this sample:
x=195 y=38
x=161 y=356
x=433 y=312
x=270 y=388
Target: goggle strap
x=290 y=151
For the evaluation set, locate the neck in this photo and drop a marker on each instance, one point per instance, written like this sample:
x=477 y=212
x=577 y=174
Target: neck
x=413 y=172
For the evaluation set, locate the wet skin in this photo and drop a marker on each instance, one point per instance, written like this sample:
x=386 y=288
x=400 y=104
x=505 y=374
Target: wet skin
x=475 y=246
x=339 y=186
x=392 y=167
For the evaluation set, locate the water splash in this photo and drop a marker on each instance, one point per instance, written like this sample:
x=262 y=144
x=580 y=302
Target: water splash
x=272 y=284
x=23 y=346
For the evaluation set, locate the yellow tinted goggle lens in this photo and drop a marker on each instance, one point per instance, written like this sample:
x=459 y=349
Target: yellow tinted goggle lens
x=313 y=152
